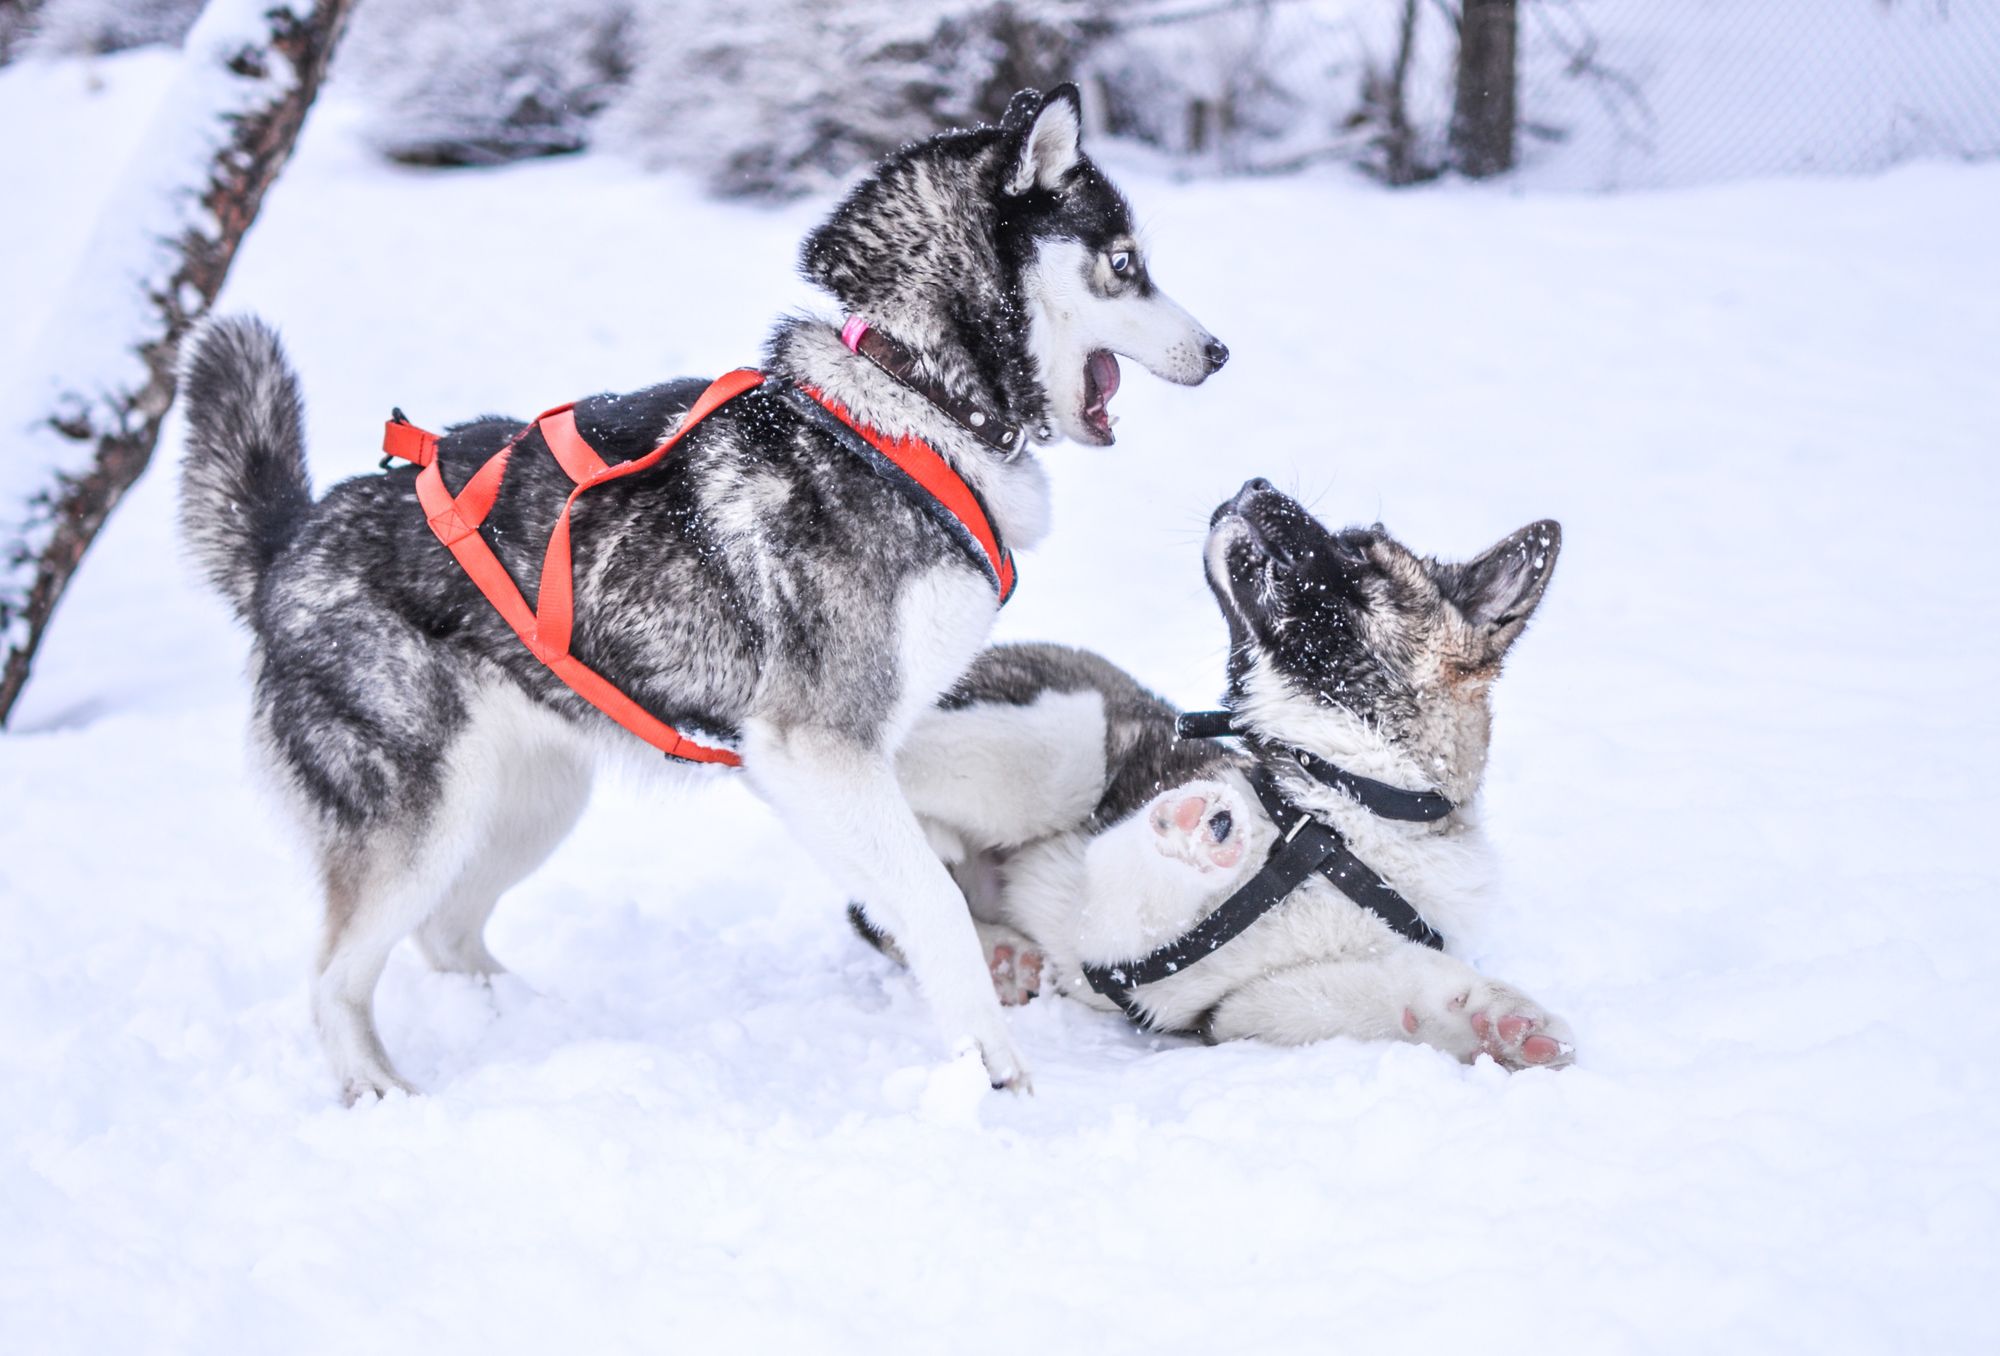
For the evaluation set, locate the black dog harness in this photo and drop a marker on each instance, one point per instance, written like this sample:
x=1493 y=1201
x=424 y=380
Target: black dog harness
x=1307 y=847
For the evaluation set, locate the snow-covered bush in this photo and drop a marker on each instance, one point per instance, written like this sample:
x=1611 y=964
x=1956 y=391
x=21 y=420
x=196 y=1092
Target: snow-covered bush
x=79 y=27
x=793 y=95
x=786 y=97
x=16 y=23
x=1236 y=85
x=471 y=82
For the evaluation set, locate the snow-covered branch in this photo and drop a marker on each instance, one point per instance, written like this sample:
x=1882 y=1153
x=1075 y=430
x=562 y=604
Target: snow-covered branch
x=81 y=424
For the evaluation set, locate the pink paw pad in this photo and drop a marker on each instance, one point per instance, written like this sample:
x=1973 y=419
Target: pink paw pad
x=1201 y=827
x=1513 y=1039
x=1017 y=975
x=1540 y=1049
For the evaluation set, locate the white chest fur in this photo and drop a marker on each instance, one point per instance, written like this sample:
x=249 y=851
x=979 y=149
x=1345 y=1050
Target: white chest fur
x=943 y=617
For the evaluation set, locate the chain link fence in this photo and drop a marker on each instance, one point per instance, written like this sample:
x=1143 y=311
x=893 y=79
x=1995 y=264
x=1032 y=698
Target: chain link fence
x=1754 y=87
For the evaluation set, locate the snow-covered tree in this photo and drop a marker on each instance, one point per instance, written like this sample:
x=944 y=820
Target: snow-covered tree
x=472 y=82
x=81 y=425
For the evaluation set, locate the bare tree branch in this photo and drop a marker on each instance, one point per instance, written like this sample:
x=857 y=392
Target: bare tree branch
x=1623 y=101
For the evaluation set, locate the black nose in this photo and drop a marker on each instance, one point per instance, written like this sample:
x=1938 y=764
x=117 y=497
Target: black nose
x=1257 y=485
x=1217 y=353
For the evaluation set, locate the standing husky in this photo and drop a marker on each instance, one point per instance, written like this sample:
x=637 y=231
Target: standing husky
x=1358 y=677
x=764 y=588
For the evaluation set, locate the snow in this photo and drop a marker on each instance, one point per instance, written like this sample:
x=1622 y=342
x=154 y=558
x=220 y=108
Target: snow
x=1741 y=780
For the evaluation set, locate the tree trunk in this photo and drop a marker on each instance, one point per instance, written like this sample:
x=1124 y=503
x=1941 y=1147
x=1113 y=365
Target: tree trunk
x=1399 y=139
x=161 y=251
x=1482 y=118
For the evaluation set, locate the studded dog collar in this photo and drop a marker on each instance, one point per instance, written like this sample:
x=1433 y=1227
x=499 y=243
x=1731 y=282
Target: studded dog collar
x=878 y=348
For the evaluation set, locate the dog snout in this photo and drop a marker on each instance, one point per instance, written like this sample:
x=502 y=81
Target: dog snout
x=1236 y=503
x=1217 y=354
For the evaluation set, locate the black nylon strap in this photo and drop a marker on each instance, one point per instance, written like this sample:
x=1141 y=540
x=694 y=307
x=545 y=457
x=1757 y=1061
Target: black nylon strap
x=1307 y=846
x=1378 y=798
x=1348 y=872
x=901 y=479
x=1292 y=859
x=1370 y=891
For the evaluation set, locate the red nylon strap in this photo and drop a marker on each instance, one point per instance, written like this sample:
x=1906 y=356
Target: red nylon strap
x=921 y=462
x=578 y=458
x=409 y=443
x=555 y=606
x=546 y=631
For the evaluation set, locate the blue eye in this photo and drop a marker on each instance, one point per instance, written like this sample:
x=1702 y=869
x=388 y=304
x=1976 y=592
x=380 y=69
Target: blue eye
x=1121 y=263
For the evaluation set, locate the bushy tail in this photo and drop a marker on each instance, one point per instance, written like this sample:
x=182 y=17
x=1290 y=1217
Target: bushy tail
x=243 y=483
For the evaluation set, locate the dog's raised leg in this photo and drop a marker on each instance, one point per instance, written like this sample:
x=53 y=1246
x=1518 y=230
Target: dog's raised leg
x=1408 y=993
x=843 y=801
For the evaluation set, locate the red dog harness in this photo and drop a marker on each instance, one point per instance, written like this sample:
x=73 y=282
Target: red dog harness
x=546 y=629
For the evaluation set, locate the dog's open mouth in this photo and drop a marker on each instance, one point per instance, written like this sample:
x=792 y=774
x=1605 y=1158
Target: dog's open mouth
x=1100 y=383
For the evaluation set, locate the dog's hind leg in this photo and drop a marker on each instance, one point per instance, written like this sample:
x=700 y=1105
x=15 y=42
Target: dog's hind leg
x=1001 y=774
x=534 y=800
x=511 y=787
x=374 y=897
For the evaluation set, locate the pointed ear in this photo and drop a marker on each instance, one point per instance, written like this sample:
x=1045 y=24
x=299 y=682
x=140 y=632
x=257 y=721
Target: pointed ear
x=1021 y=110
x=1046 y=149
x=1499 y=590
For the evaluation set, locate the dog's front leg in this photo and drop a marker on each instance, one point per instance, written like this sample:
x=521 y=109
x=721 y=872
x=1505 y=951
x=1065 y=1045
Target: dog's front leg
x=842 y=799
x=1405 y=992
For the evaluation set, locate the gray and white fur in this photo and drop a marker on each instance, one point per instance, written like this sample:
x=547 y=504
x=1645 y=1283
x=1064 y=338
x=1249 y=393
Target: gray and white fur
x=1086 y=832
x=763 y=588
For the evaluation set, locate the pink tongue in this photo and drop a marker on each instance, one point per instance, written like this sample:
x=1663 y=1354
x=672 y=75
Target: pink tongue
x=1103 y=378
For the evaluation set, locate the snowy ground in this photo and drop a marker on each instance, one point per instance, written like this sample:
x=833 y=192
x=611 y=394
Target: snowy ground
x=1741 y=781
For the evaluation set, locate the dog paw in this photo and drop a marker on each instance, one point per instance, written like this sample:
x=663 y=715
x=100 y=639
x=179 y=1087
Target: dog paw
x=1201 y=824
x=1005 y=1069
x=358 y=1089
x=1493 y=1019
x=1017 y=972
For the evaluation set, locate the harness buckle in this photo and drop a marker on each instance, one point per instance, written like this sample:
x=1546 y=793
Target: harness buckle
x=404 y=441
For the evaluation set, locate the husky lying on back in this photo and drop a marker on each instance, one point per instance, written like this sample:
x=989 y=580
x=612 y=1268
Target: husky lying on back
x=770 y=588
x=1353 y=664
